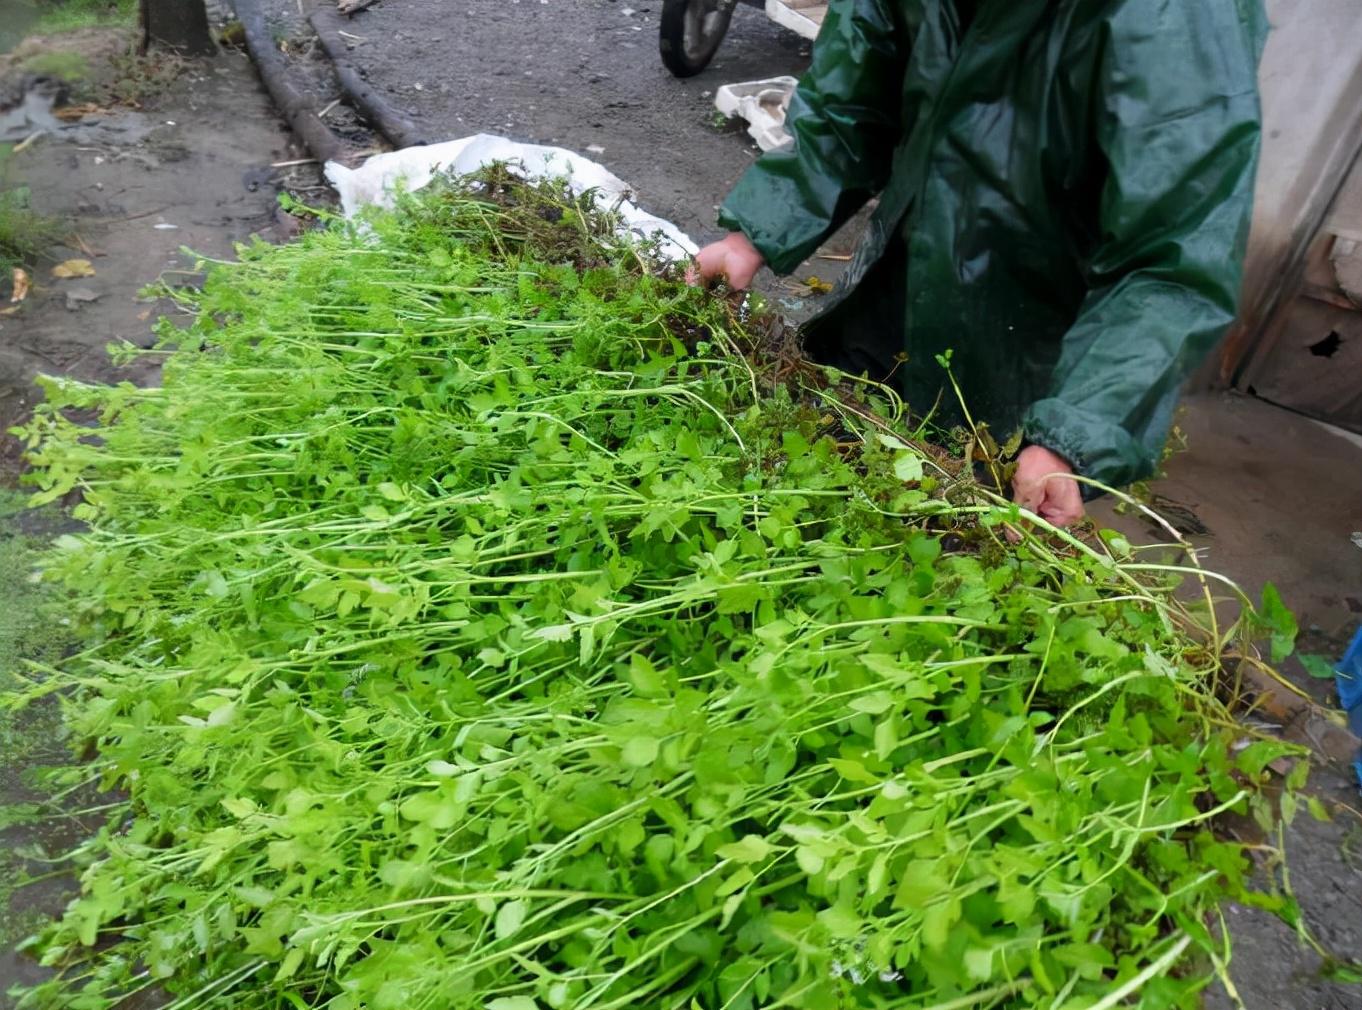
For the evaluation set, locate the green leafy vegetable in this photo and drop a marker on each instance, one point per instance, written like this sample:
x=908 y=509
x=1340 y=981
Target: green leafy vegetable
x=478 y=617
x=1317 y=666
x=1279 y=622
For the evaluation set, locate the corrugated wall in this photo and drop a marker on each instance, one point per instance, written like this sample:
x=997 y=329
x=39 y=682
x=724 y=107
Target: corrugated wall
x=1300 y=338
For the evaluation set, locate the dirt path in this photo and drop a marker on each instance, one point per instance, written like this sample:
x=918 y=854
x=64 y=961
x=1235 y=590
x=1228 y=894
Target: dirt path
x=189 y=170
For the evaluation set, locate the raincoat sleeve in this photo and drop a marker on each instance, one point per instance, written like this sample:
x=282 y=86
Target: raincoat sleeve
x=844 y=118
x=1178 y=123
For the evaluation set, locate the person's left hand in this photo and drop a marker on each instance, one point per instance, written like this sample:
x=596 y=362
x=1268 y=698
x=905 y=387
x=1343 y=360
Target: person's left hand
x=1043 y=486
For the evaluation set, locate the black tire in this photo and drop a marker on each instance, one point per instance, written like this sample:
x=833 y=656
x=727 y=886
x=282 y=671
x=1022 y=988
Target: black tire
x=691 y=33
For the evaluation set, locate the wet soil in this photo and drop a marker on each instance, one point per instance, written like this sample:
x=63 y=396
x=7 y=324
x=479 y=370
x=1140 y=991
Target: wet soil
x=190 y=169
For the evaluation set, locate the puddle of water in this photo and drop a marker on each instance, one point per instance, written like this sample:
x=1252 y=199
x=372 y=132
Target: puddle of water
x=34 y=115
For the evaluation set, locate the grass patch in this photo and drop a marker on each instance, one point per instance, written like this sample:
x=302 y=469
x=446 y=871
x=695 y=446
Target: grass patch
x=69 y=67
x=14 y=561
x=28 y=630
x=66 y=15
x=25 y=235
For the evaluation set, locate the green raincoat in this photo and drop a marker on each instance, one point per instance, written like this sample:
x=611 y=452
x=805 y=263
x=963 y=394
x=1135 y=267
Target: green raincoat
x=1065 y=190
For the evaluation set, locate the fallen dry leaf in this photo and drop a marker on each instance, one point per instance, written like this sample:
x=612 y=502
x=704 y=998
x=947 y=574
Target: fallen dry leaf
x=71 y=113
x=21 y=284
x=73 y=268
x=11 y=310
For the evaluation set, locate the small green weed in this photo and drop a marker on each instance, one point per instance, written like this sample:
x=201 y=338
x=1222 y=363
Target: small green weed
x=720 y=123
x=66 y=15
x=25 y=235
x=69 y=67
x=138 y=78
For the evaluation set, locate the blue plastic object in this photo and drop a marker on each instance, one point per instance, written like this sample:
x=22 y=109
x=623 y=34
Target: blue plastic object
x=1348 y=677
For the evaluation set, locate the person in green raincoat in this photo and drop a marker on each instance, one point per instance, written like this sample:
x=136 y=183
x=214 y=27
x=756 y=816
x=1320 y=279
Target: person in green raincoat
x=1064 y=188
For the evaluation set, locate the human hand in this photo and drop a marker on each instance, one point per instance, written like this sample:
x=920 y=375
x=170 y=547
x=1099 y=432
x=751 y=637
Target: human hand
x=1043 y=485
x=734 y=258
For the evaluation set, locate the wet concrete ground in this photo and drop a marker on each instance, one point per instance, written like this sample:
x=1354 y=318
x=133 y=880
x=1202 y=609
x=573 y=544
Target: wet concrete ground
x=1278 y=497
x=580 y=74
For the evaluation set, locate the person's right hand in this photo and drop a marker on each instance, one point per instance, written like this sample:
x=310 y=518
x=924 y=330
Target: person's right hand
x=1043 y=484
x=734 y=258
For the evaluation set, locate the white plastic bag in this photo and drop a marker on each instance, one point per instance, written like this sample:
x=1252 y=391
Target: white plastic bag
x=763 y=104
x=375 y=180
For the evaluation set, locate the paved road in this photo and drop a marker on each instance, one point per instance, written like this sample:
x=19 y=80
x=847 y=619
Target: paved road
x=580 y=74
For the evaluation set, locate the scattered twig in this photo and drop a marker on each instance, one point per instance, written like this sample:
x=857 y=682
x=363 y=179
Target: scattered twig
x=72 y=113
x=296 y=161
x=27 y=142
x=142 y=214
x=332 y=105
x=835 y=257
x=349 y=7
x=296 y=106
x=399 y=129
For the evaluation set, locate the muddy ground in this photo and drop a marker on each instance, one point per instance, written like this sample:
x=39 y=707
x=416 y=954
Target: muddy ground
x=188 y=168
x=198 y=164
x=184 y=163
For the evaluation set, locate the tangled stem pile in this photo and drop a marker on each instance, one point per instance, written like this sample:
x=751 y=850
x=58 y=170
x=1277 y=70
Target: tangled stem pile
x=474 y=618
